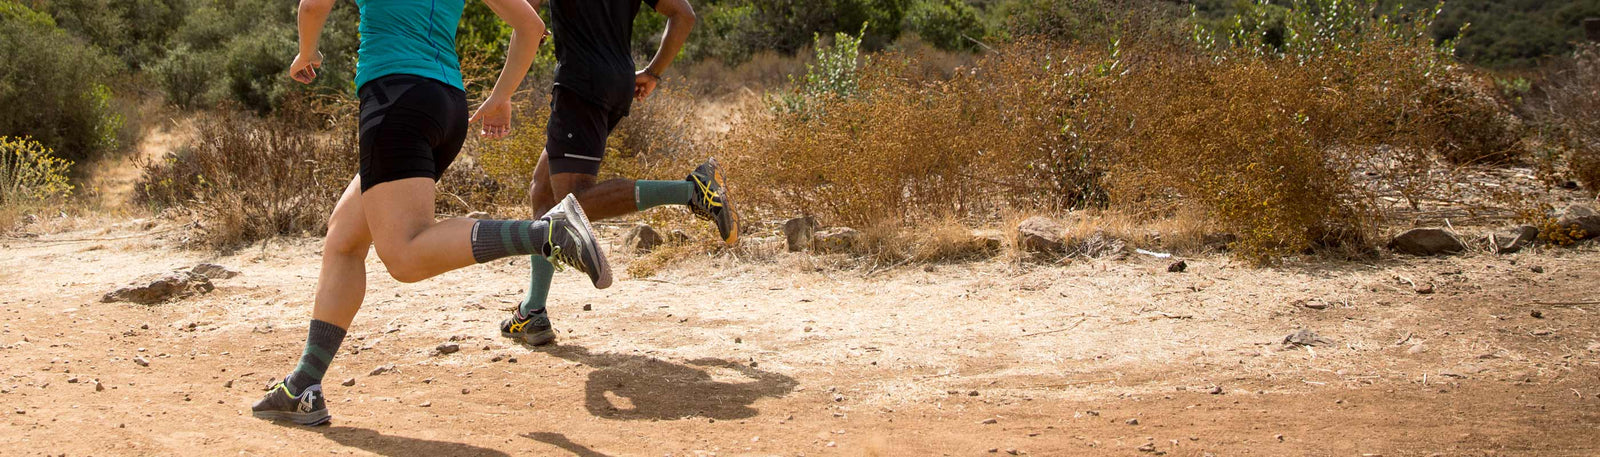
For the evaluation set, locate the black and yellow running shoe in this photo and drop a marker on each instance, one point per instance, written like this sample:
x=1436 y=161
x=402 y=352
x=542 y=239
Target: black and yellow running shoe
x=571 y=242
x=308 y=408
x=533 y=329
x=711 y=201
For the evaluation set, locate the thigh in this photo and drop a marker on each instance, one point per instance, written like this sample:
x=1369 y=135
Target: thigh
x=347 y=227
x=397 y=211
x=541 y=196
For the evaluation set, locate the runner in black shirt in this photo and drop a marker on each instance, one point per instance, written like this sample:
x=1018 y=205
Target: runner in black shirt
x=595 y=84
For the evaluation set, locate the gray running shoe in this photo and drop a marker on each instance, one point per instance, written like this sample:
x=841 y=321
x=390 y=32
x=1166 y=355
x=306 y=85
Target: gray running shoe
x=711 y=201
x=307 y=409
x=534 y=329
x=572 y=243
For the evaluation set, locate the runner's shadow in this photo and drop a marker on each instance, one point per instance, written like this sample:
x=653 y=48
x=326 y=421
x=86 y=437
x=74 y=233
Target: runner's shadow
x=650 y=388
x=561 y=441
x=390 y=445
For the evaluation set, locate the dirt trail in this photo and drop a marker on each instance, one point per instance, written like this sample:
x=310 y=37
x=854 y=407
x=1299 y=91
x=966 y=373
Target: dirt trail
x=111 y=181
x=785 y=356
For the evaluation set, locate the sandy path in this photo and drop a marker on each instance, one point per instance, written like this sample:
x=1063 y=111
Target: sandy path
x=786 y=356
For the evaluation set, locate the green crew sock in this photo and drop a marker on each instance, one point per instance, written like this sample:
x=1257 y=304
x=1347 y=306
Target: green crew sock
x=650 y=194
x=496 y=239
x=538 y=286
x=322 y=341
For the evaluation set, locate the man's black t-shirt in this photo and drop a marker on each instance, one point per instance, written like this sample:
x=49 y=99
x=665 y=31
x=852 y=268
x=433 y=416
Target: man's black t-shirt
x=593 y=58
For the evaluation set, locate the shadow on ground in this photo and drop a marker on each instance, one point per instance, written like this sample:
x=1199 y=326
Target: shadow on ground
x=662 y=390
x=561 y=441
x=390 y=445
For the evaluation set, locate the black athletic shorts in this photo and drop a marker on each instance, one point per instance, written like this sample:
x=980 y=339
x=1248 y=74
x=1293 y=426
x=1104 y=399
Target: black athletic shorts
x=411 y=127
x=576 y=134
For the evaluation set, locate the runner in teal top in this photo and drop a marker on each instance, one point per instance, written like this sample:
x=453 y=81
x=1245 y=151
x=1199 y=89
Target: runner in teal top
x=409 y=37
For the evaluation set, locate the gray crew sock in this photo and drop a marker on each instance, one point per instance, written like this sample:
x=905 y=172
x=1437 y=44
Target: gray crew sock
x=496 y=239
x=322 y=342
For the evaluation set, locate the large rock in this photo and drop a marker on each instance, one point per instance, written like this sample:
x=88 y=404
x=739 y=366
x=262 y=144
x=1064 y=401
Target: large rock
x=800 y=232
x=642 y=238
x=1426 y=242
x=837 y=239
x=1513 y=239
x=154 y=289
x=1582 y=218
x=1041 y=234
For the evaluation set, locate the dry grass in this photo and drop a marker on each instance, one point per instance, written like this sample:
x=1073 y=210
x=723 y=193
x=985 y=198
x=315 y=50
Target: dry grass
x=251 y=178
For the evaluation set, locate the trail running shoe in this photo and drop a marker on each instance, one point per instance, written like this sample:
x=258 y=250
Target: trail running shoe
x=534 y=329
x=572 y=243
x=307 y=409
x=711 y=201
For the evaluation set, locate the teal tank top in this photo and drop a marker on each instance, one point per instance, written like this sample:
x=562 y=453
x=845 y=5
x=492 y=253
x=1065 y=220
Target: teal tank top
x=410 y=37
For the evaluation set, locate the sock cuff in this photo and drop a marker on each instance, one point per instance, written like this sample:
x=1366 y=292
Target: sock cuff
x=323 y=331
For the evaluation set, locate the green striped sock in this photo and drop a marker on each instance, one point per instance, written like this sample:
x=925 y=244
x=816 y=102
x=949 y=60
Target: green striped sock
x=650 y=194
x=538 y=286
x=322 y=342
x=496 y=239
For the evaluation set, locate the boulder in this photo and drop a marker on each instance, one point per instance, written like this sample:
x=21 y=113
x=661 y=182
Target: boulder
x=988 y=241
x=1426 y=242
x=837 y=239
x=800 y=232
x=154 y=289
x=213 y=271
x=1581 y=218
x=1512 y=239
x=642 y=238
x=1041 y=234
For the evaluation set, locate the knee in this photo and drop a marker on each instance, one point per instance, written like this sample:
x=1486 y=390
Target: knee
x=401 y=266
x=342 y=243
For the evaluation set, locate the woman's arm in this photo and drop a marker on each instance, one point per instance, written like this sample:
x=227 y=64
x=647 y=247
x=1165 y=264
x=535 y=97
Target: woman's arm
x=313 y=15
x=527 y=29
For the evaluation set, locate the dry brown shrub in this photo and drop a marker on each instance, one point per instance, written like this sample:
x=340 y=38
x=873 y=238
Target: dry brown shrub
x=1467 y=123
x=252 y=178
x=908 y=151
x=1571 y=102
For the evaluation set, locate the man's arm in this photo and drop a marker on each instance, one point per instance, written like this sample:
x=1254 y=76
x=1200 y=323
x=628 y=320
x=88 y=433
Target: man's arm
x=680 y=19
x=313 y=15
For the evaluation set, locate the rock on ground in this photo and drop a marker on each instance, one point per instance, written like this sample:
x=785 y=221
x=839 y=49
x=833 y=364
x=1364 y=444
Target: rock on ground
x=642 y=238
x=1426 y=242
x=837 y=239
x=1305 y=337
x=153 y=289
x=1041 y=234
x=800 y=232
x=1582 y=218
x=213 y=271
x=1513 y=239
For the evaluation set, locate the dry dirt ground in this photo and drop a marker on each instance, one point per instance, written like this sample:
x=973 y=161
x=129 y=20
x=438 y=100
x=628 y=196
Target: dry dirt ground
x=789 y=354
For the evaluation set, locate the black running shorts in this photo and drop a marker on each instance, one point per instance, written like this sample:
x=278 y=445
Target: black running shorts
x=411 y=127
x=575 y=138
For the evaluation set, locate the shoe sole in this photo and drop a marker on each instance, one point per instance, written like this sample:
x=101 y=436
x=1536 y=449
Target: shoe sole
x=582 y=222
x=540 y=338
x=308 y=419
x=727 y=205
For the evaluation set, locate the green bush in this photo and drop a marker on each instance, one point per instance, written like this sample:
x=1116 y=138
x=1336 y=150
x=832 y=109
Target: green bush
x=946 y=24
x=246 y=46
x=187 y=75
x=56 y=84
x=135 y=31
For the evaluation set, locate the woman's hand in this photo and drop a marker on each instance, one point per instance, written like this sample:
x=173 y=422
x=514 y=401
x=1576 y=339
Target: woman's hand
x=496 y=117
x=304 y=68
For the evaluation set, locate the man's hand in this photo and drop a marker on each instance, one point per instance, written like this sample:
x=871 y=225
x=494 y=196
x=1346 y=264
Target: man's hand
x=496 y=117
x=643 y=84
x=304 y=68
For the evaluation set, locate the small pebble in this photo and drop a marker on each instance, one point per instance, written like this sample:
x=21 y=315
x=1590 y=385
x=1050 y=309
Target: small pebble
x=348 y=382
x=990 y=421
x=1131 y=422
